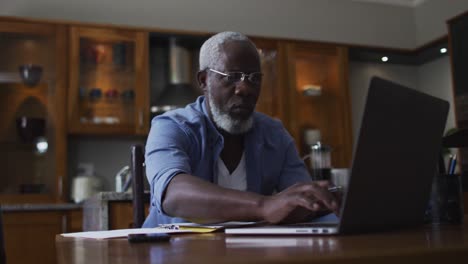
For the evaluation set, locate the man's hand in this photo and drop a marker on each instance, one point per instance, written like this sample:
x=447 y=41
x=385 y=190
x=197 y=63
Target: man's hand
x=298 y=202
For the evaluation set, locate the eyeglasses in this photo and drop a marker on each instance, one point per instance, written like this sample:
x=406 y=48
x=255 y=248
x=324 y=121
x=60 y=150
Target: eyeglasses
x=235 y=77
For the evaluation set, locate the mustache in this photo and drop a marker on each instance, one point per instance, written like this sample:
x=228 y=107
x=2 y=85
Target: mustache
x=244 y=103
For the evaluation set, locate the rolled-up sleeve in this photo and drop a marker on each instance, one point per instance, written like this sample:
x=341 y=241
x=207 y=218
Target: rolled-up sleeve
x=167 y=149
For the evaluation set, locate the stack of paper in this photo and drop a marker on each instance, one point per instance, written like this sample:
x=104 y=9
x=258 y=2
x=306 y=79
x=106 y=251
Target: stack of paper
x=121 y=233
x=167 y=229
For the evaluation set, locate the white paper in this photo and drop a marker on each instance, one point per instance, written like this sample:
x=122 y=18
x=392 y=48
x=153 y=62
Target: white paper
x=122 y=232
x=167 y=228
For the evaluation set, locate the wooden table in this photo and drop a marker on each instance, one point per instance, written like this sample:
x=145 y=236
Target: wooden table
x=441 y=245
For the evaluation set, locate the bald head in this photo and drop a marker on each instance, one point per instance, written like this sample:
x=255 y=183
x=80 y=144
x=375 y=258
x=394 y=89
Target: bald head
x=211 y=51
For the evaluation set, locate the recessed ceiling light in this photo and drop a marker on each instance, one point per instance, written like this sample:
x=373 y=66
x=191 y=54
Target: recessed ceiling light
x=384 y=59
x=443 y=50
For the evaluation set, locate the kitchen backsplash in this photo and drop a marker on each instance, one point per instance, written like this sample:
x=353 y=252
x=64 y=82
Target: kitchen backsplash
x=107 y=154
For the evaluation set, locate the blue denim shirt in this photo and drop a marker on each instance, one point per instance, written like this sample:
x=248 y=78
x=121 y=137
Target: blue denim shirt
x=186 y=141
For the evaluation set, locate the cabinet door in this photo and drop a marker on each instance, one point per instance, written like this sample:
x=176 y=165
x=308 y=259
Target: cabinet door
x=272 y=96
x=121 y=214
x=32 y=111
x=30 y=235
x=319 y=97
x=108 y=81
x=458 y=39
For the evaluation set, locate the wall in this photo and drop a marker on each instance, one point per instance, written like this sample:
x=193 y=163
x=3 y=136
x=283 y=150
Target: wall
x=431 y=16
x=326 y=20
x=360 y=74
x=320 y=20
x=108 y=155
x=433 y=78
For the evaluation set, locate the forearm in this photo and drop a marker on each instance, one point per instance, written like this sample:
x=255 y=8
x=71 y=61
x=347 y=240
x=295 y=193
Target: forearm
x=192 y=198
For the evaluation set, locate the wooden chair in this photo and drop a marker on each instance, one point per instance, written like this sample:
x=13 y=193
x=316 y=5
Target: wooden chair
x=137 y=169
x=2 y=241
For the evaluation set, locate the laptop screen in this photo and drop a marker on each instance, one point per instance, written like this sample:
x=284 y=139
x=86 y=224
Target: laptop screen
x=395 y=158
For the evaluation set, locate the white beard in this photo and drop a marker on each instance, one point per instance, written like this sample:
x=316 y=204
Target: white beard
x=224 y=121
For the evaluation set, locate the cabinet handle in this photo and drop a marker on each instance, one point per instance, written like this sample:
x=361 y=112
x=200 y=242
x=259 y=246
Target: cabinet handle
x=140 y=118
x=60 y=186
x=64 y=223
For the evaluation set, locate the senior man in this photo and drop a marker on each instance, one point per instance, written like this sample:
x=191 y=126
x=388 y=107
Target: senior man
x=218 y=160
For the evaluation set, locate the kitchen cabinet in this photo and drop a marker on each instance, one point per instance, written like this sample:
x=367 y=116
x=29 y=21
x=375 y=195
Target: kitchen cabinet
x=32 y=111
x=458 y=40
x=96 y=81
x=318 y=96
x=30 y=235
x=305 y=86
x=458 y=29
x=108 y=88
x=271 y=100
x=121 y=214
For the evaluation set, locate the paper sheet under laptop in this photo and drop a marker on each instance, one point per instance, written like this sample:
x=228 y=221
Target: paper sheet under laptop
x=167 y=229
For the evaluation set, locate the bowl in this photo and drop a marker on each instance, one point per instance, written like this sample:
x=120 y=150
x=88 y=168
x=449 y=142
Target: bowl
x=32 y=188
x=30 y=74
x=30 y=128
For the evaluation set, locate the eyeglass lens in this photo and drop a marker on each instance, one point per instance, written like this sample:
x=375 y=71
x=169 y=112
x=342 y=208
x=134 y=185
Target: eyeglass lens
x=254 y=77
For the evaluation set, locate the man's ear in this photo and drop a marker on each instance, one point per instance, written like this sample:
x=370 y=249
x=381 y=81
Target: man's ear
x=201 y=79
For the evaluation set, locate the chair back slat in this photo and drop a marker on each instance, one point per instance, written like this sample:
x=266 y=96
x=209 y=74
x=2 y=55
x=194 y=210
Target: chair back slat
x=2 y=241
x=139 y=198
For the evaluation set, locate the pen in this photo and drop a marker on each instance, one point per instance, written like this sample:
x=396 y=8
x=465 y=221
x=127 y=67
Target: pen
x=335 y=189
x=449 y=164
x=453 y=163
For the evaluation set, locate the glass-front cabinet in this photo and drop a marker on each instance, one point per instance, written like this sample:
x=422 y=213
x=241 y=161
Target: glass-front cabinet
x=108 y=81
x=319 y=98
x=32 y=111
x=271 y=97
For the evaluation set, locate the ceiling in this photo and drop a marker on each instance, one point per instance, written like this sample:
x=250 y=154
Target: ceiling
x=410 y=3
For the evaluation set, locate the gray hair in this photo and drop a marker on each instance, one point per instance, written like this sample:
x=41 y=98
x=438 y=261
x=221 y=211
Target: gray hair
x=210 y=51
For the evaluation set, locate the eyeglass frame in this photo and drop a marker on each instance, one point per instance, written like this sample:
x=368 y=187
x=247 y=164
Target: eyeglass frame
x=227 y=74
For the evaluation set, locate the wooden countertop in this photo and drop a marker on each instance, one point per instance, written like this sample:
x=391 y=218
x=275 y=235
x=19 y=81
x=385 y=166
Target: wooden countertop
x=438 y=244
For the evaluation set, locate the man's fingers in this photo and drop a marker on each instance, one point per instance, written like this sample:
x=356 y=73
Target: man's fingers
x=324 y=184
x=312 y=205
x=312 y=196
x=318 y=191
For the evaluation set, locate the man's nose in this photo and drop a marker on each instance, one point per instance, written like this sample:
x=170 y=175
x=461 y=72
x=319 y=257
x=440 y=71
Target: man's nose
x=244 y=88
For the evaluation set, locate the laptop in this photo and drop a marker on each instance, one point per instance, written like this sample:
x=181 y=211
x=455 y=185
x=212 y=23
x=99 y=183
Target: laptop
x=393 y=165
